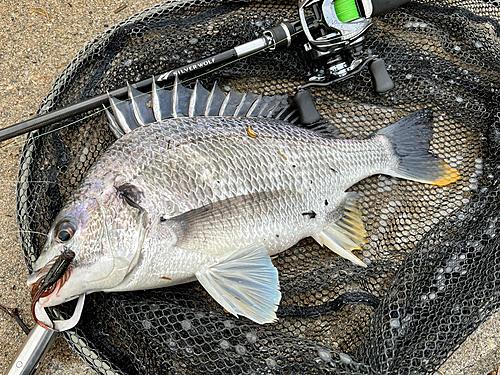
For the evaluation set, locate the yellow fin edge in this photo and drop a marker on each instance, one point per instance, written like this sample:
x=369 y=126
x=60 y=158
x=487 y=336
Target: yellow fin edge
x=449 y=176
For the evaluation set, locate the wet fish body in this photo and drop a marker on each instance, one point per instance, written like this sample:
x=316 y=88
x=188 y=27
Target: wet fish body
x=209 y=188
x=201 y=198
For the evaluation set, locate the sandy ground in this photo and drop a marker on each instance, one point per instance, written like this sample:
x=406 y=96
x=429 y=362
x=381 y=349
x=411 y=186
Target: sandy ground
x=39 y=38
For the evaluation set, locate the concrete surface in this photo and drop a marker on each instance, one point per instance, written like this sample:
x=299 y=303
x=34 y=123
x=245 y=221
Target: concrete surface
x=479 y=354
x=39 y=38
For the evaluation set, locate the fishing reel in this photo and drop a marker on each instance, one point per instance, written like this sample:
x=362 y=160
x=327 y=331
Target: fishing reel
x=334 y=38
x=335 y=32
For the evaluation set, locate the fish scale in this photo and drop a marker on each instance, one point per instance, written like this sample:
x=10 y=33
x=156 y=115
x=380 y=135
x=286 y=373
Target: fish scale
x=235 y=152
x=211 y=198
x=313 y=180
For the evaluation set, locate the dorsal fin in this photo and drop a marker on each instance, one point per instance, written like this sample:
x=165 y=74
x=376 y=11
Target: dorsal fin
x=198 y=97
x=113 y=125
x=162 y=100
x=140 y=103
x=175 y=98
x=124 y=114
x=161 y=104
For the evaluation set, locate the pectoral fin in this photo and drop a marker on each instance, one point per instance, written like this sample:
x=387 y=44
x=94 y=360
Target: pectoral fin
x=346 y=234
x=246 y=283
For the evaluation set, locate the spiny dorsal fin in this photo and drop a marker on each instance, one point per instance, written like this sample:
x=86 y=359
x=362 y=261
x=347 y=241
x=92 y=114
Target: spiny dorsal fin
x=235 y=99
x=224 y=104
x=175 y=97
x=163 y=104
x=240 y=105
x=137 y=101
x=198 y=97
x=162 y=100
x=113 y=125
x=122 y=110
x=214 y=101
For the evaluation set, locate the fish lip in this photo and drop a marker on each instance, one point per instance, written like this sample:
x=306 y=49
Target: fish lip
x=42 y=298
x=46 y=295
x=35 y=280
x=45 y=301
x=40 y=273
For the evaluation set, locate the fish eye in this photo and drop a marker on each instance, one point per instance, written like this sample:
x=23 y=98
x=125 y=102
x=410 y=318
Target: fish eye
x=65 y=231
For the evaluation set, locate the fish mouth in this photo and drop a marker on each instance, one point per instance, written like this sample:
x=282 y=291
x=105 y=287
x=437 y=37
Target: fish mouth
x=41 y=288
x=47 y=282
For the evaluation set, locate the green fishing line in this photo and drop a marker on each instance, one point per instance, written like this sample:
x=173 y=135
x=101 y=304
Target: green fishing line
x=346 y=10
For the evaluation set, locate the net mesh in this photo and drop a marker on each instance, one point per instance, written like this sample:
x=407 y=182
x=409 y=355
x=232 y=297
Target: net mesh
x=432 y=252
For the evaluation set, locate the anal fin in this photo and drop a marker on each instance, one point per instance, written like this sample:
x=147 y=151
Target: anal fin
x=244 y=282
x=346 y=234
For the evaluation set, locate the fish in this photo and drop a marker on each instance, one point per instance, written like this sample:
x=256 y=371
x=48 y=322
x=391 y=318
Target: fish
x=206 y=186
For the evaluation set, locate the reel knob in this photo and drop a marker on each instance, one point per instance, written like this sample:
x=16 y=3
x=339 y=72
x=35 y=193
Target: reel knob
x=381 y=80
x=307 y=109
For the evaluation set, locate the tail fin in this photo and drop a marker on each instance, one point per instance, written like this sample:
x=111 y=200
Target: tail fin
x=410 y=139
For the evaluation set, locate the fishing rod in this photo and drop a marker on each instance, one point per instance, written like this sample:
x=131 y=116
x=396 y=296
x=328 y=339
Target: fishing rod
x=334 y=36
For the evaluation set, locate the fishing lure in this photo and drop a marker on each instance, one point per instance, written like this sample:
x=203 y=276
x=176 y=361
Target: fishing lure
x=55 y=278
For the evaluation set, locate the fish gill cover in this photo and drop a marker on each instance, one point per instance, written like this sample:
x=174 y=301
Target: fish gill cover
x=432 y=252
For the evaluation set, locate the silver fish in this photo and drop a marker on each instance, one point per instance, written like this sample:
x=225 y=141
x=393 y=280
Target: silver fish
x=211 y=198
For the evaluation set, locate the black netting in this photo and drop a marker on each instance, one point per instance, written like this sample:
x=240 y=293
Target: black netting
x=432 y=252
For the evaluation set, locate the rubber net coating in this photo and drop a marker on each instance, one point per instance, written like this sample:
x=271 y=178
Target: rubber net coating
x=432 y=252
